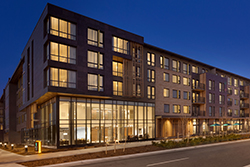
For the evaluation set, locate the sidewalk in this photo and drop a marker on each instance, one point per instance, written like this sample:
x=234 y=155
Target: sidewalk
x=9 y=159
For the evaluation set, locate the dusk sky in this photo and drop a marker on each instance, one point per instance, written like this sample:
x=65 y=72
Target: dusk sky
x=211 y=31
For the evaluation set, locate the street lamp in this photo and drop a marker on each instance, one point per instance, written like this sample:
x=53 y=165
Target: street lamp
x=12 y=146
x=26 y=148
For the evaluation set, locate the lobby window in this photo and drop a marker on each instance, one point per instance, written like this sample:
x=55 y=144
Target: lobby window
x=195 y=69
x=186 y=68
x=95 y=37
x=151 y=92
x=176 y=66
x=151 y=59
x=61 y=78
x=61 y=53
x=176 y=79
x=186 y=95
x=186 y=81
x=117 y=69
x=236 y=82
x=120 y=45
x=95 y=82
x=166 y=92
x=229 y=81
x=151 y=75
x=164 y=62
x=166 y=108
x=166 y=77
x=236 y=91
x=176 y=109
x=186 y=109
x=176 y=94
x=95 y=60
x=117 y=88
x=61 y=28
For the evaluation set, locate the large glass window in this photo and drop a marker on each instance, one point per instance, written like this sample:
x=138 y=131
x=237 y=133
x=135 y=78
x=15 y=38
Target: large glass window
x=186 y=109
x=151 y=75
x=176 y=79
x=61 y=78
x=95 y=60
x=166 y=92
x=95 y=82
x=117 y=69
x=117 y=88
x=166 y=77
x=61 y=28
x=61 y=53
x=186 y=81
x=176 y=66
x=164 y=62
x=236 y=82
x=95 y=37
x=166 y=108
x=195 y=69
x=176 y=109
x=120 y=45
x=186 y=68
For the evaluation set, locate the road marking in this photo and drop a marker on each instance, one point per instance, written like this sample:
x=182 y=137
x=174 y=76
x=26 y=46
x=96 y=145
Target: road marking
x=166 y=162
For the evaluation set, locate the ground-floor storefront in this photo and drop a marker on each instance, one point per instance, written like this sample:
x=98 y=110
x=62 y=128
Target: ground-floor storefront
x=174 y=127
x=66 y=121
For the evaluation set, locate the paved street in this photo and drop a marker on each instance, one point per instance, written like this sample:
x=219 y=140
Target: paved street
x=229 y=155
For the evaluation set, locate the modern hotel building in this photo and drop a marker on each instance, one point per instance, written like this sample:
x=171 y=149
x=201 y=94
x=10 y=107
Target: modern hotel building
x=81 y=81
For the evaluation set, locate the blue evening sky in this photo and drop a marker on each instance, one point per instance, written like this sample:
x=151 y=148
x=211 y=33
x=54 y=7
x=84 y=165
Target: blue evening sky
x=211 y=31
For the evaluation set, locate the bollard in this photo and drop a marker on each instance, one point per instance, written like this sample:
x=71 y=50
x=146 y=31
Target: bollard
x=5 y=145
x=12 y=146
x=1 y=144
x=26 y=148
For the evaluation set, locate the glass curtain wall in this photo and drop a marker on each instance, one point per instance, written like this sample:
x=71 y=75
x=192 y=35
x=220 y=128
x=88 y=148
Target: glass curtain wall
x=84 y=121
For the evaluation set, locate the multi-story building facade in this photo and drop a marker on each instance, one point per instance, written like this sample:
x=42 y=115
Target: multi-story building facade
x=82 y=81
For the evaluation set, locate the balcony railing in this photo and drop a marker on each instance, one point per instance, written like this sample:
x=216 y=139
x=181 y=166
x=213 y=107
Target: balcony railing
x=244 y=105
x=229 y=92
x=199 y=100
x=229 y=103
x=244 y=95
x=199 y=113
x=199 y=87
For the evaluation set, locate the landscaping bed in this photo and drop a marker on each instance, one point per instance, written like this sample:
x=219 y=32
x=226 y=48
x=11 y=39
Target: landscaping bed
x=92 y=156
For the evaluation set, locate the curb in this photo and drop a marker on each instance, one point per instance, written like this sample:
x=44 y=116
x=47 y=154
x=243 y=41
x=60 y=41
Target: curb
x=115 y=158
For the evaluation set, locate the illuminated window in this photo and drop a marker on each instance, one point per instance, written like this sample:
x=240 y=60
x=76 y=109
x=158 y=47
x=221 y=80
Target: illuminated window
x=164 y=62
x=120 y=45
x=95 y=82
x=177 y=94
x=186 y=81
x=186 y=109
x=117 y=88
x=221 y=99
x=229 y=81
x=61 y=53
x=236 y=82
x=186 y=95
x=61 y=78
x=241 y=83
x=95 y=60
x=195 y=69
x=151 y=59
x=138 y=90
x=176 y=109
x=151 y=92
x=166 y=92
x=95 y=37
x=61 y=28
x=117 y=69
x=236 y=112
x=166 y=77
x=176 y=66
x=236 y=92
x=236 y=102
x=176 y=79
x=211 y=85
x=151 y=75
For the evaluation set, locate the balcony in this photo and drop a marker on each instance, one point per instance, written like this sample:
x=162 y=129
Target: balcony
x=229 y=92
x=199 y=87
x=229 y=103
x=244 y=105
x=199 y=100
x=199 y=113
x=244 y=96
